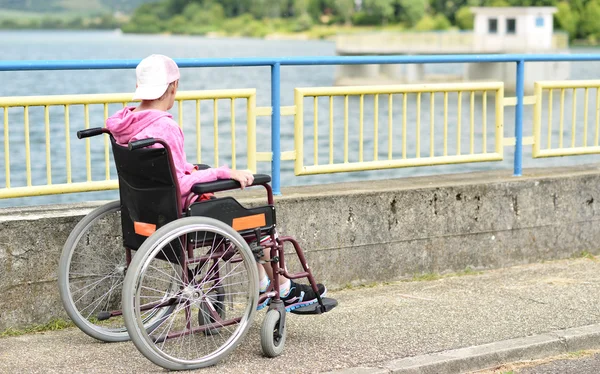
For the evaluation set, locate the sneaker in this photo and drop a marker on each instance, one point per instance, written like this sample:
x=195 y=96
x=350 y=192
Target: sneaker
x=263 y=304
x=302 y=295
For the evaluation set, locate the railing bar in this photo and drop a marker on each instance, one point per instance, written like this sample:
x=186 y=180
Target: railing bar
x=6 y=149
x=180 y=113
x=88 y=157
x=316 y=129
x=106 y=146
x=597 y=116
x=561 y=121
x=585 y=116
x=216 y=131
x=472 y=129
x=573 y=117
x=418 y=154
x=330 y=129
x=233 y=156
x=404 y=106
x=390 y=122
x=484 y=119
x=199 y=134
x=549 y=118
x=431 y=124
x=361 y=113
x=345 y=128
x=459 y=115
x=376 y=128
x=445 y=123
x=68 y=143
x=48 y=153
x=27 y=145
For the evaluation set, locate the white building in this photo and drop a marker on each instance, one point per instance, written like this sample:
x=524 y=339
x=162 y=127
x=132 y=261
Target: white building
x=513 y=29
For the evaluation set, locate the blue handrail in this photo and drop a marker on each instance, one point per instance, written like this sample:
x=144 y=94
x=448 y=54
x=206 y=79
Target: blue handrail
x=276 y=62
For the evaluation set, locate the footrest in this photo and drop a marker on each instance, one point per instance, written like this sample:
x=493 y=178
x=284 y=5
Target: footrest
x=328 y=304
x=103 y=315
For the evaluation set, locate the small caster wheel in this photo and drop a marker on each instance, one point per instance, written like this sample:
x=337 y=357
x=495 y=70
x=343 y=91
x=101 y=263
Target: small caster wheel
x=271 y=341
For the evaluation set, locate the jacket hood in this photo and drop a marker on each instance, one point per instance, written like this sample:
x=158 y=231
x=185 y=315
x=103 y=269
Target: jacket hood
x=126 y=123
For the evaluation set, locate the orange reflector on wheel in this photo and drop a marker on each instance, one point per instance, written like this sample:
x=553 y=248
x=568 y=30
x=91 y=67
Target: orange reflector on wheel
x=249 y=222
x=144 y=229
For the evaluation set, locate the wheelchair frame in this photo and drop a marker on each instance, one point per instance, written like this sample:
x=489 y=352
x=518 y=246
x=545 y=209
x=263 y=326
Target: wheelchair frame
x=183 y=266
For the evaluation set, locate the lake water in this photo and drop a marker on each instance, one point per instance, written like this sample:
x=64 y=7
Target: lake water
x=71 y=45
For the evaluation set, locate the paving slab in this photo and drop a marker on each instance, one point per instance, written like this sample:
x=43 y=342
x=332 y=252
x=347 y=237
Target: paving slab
x=452 y=324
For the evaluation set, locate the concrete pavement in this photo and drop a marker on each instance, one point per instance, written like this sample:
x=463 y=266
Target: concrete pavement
x=453 y=324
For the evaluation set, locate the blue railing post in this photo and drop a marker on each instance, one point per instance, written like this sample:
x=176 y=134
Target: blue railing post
x=276 y=127
x=518 y=168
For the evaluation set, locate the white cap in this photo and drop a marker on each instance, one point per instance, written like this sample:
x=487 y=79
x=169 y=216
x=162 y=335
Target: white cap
x=154 y=74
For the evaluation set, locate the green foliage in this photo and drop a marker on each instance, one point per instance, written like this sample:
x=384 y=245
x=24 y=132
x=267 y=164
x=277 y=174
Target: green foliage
x=411 y=11
x=441 y=22
x=345 y=9
x=426 y=23
x=303 y=23
x=52 y=325
x=464 y=18
x=365 y=19
x=566 y=18
x=382 y=9
x=579 y=18
x=590 y=20
x=300 y=7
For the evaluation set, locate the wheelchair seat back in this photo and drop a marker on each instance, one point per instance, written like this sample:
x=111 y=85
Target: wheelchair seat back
x=148 y=190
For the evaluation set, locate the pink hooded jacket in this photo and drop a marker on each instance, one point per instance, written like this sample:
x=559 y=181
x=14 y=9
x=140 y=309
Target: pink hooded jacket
x=126 y=125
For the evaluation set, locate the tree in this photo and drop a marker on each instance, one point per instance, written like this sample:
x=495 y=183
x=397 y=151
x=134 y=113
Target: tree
x=411 y=11
x=590 y=24
x=384 y=9
x=441 y=22
x=567 y=19
x=464 y=18
x=344 y=9
x=427 y=23
x=300 y=7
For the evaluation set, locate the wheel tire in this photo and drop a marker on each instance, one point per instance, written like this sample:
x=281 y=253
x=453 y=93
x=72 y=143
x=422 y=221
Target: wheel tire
x=272 y=346
x=172 y=346
x=83 y=303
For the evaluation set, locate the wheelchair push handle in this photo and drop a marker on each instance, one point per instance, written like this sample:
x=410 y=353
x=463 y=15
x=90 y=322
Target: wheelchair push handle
x=137 y=144
x=81 y=134
x=228 y=184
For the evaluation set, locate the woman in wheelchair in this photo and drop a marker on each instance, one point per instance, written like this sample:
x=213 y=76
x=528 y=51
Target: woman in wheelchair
x=184 y=274
x=157 y=83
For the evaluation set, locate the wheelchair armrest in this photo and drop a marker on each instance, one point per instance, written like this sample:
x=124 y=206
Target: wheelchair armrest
x=227 y=184
x=202 y=166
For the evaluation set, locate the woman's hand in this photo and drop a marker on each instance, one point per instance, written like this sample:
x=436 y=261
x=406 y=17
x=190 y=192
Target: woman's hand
x=243 y=176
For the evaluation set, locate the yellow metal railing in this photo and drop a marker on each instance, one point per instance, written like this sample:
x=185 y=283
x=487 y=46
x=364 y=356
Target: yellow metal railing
x=38 y=187
x=393 y=158
x=553 y=142
x=404 y=130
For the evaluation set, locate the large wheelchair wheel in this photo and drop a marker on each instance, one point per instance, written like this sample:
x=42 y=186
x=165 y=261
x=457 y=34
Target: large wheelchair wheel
x=216 y=299
x=90 y=276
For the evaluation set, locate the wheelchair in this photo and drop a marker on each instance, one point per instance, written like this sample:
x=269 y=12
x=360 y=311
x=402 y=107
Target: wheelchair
x=179 y=279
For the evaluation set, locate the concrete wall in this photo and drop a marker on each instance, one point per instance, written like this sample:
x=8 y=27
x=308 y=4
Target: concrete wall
x=357 y=233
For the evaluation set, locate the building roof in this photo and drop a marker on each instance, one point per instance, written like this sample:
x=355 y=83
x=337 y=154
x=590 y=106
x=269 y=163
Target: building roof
x=514 y=10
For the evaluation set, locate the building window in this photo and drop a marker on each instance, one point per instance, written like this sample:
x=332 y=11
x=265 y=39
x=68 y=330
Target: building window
x=539 y=22
x=492 y=25
x=511 y=26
